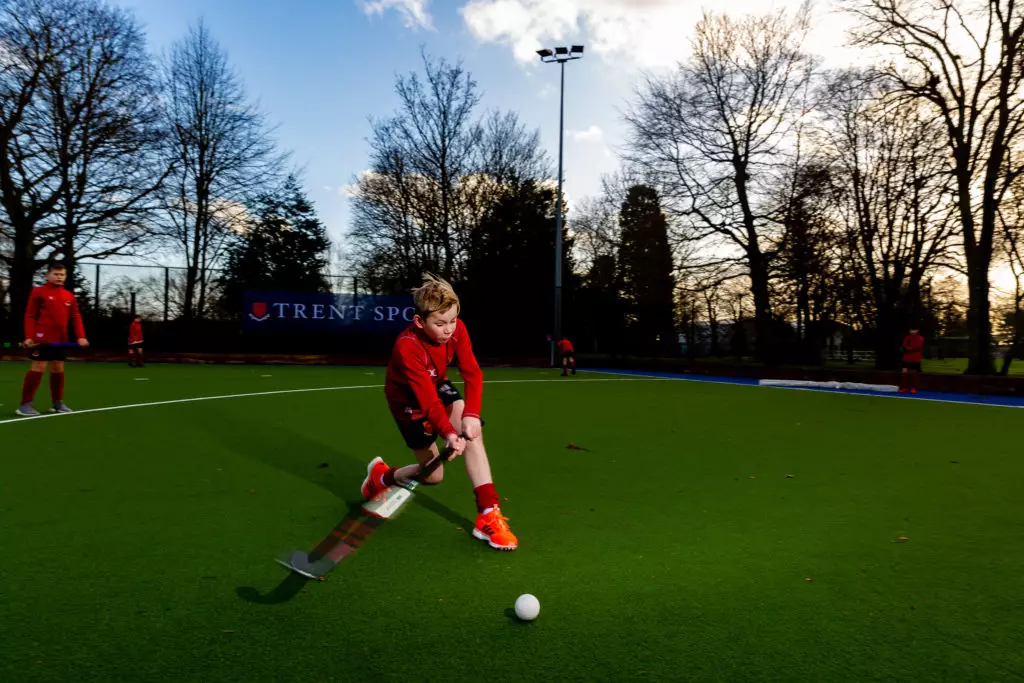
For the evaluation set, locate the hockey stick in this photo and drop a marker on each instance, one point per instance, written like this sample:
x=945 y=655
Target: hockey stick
x=352 y=532
x=57 y=344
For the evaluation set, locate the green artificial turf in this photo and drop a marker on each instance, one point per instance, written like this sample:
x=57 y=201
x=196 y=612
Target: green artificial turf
x=138 y=544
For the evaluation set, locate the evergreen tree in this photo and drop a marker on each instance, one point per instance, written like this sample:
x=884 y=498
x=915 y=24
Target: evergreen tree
x=284 y=247
x=645 y=266
x=509 y=288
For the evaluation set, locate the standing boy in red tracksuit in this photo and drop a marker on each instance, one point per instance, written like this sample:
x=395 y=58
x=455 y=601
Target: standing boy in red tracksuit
x=50 y=309
x=568 y=354
x=425 y=404
x=135 y=343
x=913 y=346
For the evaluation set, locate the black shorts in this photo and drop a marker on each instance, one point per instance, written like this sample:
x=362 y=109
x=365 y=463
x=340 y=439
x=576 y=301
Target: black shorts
x=48 y=352
x=419 y=434
x=916 y=367
x=568 y=355
x=135 y=346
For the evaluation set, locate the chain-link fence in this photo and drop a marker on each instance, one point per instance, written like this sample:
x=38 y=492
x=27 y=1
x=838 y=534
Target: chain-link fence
x=158 y=292
x=110 y=295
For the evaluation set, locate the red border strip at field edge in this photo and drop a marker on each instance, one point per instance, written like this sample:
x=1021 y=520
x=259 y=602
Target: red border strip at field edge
x=196 y=399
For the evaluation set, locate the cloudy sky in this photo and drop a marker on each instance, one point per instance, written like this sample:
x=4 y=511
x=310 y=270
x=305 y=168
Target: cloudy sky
x=321 y=68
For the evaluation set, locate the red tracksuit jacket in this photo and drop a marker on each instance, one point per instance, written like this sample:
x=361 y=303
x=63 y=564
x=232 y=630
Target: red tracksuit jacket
x=417 y=366
x=913 y=345
x=49 y=310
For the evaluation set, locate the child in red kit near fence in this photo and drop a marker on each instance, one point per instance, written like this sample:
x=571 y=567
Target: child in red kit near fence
x=50 y=309
x=568 y=355
x=135 y=343
x=425 y=404
x=913 y=347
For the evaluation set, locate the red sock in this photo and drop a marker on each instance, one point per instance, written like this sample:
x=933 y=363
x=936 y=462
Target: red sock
x=57 y=386
x=32 y=381
x=486 y=497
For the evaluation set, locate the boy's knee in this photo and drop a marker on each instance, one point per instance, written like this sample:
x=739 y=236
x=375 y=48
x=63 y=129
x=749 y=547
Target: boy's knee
x=436 y=477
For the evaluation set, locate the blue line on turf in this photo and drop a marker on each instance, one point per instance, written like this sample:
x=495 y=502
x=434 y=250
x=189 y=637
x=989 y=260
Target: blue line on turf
x=937 y=396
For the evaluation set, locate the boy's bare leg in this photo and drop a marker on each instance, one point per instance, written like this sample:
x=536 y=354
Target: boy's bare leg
x=423 y=456
x=478 y=467
x=491 y=525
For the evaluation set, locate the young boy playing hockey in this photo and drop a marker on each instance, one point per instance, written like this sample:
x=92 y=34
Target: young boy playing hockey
x=135 y=343
x=50 y=309
x=425 y=405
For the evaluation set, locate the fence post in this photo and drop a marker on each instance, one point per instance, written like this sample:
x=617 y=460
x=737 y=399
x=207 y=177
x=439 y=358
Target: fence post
x=167 y=289
x=96 y=304
x=355 y=291
x=133 y=304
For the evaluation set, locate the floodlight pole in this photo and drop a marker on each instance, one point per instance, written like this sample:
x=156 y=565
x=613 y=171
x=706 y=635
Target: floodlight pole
x=560 y=55
x=558 y=219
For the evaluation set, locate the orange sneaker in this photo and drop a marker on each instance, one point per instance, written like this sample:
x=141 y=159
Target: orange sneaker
x=373 y=485
x=493 y=527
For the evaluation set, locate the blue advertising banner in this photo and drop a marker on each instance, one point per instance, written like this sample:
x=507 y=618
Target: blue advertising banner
x=303 y=312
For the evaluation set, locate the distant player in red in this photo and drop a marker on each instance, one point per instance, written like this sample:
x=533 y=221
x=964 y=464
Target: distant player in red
x=913 y=346
x=135 y=343
x=568 y=354
x=425 y=404
x=50 y=309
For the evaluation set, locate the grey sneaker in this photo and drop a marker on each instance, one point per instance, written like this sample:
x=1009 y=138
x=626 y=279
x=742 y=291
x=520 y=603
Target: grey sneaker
x=27 y=410
x=59 y=407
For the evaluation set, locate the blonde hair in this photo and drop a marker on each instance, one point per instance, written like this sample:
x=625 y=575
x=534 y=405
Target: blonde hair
x=434 y=296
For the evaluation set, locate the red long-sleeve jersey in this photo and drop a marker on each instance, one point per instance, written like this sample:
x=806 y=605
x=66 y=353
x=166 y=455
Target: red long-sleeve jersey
x=417 y=365
x=565 y=346
x=135 y=333
x=913 y=345
x=49 y=310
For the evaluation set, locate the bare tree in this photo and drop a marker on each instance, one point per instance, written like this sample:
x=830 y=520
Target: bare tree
x=413 y=211
x=79 y=132
x=28 y=42
x=5 y=279
x=1011 y=220
x=962 y=59
x=435 y=170
x=894 y=201
x=223 y=155
x=105 y=136
x=807 y=254
x=1015 y=321
x=713 y=135
x=595 y=225
x=511 y=154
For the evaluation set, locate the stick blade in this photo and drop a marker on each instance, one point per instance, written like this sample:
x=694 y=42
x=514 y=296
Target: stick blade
x=387 y=503
x=300 y=563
